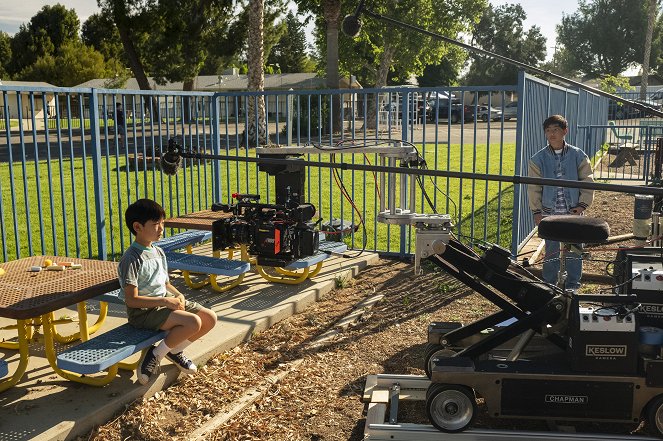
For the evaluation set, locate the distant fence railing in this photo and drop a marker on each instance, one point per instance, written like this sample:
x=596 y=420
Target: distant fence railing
x=68 y=170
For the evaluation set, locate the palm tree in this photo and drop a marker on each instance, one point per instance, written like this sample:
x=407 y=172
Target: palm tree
x=651 y=18
x=255 y=53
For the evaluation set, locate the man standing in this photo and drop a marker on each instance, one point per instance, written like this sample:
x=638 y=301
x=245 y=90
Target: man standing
x=559 y=160
x=119 y=122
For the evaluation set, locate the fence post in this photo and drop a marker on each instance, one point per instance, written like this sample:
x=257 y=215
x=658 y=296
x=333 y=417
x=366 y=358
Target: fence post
x=98 y=183
x=289 y=111
x=216 y=148
x=405 y=127
x=518 y=168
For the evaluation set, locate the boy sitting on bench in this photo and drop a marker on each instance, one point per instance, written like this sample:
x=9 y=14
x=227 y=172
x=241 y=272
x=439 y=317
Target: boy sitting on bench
x=152 y=302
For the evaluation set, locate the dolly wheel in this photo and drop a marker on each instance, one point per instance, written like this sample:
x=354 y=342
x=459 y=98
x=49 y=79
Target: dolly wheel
x=450 y=408
x=435 y=351
x=655 y=415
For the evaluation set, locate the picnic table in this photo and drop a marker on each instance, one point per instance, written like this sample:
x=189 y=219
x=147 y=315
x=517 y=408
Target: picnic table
x=203 y=220
x=31 y=298
x=296 y=272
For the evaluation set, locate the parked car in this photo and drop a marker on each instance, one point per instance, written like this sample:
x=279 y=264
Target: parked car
x=484 y=113
x=649 y=103
x=657 y=96
x=621 y=111
x=510 y=110
x=440 y=109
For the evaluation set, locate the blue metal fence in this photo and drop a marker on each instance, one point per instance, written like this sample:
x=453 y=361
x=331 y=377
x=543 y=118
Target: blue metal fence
x=68 y=168
x=538 y=100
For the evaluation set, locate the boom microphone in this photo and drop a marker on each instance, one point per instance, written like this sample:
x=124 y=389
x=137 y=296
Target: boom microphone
x=170 y=161
x=351 y=23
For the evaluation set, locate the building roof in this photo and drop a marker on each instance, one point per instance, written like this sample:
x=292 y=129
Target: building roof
x=232 y=83
x=652 y=80
x=25 y=83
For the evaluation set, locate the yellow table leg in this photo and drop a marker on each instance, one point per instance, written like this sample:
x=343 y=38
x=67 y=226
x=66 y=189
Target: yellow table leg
x=49 y=348
x=15 y=345
x=22 y=327
x=84 y=331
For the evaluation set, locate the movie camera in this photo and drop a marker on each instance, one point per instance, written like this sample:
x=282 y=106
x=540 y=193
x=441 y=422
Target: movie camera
x=276 y=233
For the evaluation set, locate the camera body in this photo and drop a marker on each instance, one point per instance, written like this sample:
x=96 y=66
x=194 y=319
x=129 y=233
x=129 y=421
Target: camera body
x=276 y=233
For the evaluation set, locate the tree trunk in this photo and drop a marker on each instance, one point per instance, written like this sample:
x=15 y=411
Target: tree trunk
x=120 y=17
x=332 y=15
x=119 y=14
x=256 y=130
x=380 y=81
x=653 y=9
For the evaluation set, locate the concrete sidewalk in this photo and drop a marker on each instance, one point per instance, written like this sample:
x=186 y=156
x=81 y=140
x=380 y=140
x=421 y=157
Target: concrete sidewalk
x=44 y=406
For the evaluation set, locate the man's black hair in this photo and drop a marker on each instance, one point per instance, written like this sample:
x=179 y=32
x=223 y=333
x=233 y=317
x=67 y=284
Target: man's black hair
x=555 y=120
x=141 y=211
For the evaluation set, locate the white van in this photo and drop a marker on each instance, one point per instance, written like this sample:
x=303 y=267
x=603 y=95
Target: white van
x=657 y=96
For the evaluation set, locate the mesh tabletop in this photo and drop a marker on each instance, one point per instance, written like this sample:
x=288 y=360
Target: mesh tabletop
x=25 y=294
x=198 y=220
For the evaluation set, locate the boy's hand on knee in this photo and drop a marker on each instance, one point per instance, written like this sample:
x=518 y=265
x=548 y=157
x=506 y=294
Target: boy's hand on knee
x=174 y=303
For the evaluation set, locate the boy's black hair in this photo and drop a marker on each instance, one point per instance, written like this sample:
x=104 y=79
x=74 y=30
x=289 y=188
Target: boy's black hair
x=141 y=211
x=555 y=120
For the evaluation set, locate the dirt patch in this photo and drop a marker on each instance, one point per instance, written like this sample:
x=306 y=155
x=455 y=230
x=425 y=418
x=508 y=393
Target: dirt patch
x=319 y=394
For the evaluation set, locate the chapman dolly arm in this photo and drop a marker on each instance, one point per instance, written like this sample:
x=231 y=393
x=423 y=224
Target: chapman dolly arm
x=533 y=304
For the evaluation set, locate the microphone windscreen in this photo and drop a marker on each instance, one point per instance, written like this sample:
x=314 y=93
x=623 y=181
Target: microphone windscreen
x=570 y=228
x=351 y=25
x=170 y=163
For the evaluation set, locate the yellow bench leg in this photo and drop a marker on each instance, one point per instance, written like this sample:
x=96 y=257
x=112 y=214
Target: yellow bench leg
x=227 y=286
x=191 y=283
x=283 y=279
x=23 y=327
x=285 y=272
x=47 y=322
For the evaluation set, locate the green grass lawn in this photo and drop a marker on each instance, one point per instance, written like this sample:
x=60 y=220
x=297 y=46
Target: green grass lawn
x=66 y=201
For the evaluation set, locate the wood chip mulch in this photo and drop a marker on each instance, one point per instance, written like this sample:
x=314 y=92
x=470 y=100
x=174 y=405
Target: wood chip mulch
x=319 y=396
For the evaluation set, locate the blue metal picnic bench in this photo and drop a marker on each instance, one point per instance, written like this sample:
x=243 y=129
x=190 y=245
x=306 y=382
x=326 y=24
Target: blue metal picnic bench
x=106 y=351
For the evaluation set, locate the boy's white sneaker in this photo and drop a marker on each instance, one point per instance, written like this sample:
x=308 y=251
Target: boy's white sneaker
x=182 y=362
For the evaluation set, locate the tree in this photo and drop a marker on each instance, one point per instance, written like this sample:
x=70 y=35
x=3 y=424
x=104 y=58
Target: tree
x=652 y=12
x=290 y=51
x=49 y=29
x=561 y=63
x=383 y=48
x=100 y=32
x=130 y=20
x=500 y=30
x=604 y=37
x=73 y=64
x=5 y=55
x=612 y=84
x=444 y=73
